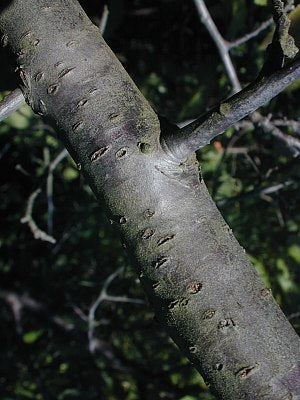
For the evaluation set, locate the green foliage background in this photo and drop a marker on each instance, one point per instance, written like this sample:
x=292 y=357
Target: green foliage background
x=174 y=62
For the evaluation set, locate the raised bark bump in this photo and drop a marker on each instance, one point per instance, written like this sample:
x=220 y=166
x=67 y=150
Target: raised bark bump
x=147 y=233
x=208 y=314
x=25 y=35
x=148 y=213
x=72 y=43
x=219 y=366
x=77 y=125
x=194 y=287
x=121 y=153
x=165 y=239
x=42 y=107
x=82 y=102
x=160 y=261
x=265 y=292
x=122 y=220
x=64 y=72
x=245 y=372
x=39 y=76
x=193 y=349
x=99 y=153
x=53 y=88
x=226 y=323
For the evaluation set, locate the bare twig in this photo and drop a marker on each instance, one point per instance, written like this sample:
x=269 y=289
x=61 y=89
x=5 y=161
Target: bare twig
x=200 y=132
x=50 y=202
x=255 y=193
x=264 y=25
x=12 y=102
x=18 y=302
x=295 y=125
x=103 y=296
x=221 y=44
x=104 y=18
x=292 y=143
x=294 y=315
x=36 y=231
x=248 y=36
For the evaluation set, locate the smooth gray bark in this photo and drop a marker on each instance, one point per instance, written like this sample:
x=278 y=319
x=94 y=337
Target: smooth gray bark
x=198 y=278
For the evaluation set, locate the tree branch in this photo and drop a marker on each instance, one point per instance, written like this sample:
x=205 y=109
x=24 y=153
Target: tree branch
x=18 y=302
x=36 y=231
x=50 y=202
x=248 y=36
x=104 y=296
x=200 y=132
x=265 y=25
x=255 y=193
x=12 y=102
x=222 y=45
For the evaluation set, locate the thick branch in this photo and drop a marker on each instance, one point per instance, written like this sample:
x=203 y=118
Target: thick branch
x=200 y=132
x=199 y=280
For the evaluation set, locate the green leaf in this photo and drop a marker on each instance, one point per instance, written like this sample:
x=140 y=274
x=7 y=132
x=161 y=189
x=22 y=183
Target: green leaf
x=261 y=2
x=32 y=336
x=294 y=252
x=70 y=173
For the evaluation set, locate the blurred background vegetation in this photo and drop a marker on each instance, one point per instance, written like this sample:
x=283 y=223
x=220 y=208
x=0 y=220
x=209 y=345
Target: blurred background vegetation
x=52 y=345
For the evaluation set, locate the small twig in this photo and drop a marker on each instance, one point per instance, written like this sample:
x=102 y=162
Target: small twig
x=220 y=42
x=295 y=125
x=292 y=143
x=12 y=102
x=293 y=315
x=200 y=132
x=36 y=231
x=77 y=310
x=103 y=296
x=19 y=302
x=264 y=25
x=50 y=202
x=104 y=18
x=248 y=36
x=255 y=193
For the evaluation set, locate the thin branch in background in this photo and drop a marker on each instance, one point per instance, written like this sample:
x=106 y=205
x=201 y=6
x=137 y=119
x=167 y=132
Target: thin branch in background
x=12 y=102
x=18 y=302
x=292 y=143
x=264 y=25
x=50 y=203
x=289 y=123
x=21 y=169
x=255 y=193
x=294 y=315
x=103 y=296
x=221 y=44
x=28 y=219
x=200 y=132
x=251 y=35
x=104 y=18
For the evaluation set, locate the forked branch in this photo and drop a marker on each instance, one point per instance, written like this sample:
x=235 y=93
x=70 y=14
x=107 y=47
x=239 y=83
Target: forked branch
x=201 y=131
